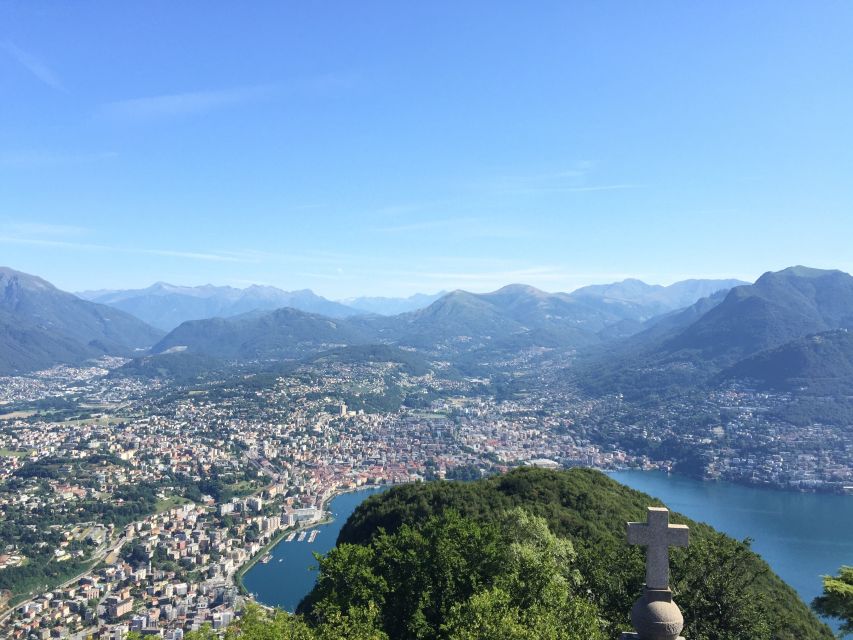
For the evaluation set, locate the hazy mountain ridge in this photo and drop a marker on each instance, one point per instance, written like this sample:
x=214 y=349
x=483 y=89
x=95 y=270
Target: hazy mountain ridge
x=41 y=326
x=655 y=298
x=166 y=306
x=752 y=333
x=388 y=306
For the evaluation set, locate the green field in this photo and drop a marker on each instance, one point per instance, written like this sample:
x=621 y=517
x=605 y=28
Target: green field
x=9 y=453
x=170 y=503
x=17 y=415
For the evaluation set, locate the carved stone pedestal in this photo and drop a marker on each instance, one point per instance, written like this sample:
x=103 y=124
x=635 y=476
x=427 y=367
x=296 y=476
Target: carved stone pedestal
x=656 y=617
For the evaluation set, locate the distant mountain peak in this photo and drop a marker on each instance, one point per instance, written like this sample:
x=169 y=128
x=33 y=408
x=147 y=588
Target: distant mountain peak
x=520 y=289
x=800 y=271
x=166 y=306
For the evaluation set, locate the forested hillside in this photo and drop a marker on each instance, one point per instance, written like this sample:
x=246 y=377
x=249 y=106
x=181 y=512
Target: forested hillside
x=719 y=583
x=532 y=554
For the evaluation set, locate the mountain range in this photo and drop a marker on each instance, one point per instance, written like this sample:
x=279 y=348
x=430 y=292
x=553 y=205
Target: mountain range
x=41 y=326
x=512 y=317
x=166 y=306
x=625 y=330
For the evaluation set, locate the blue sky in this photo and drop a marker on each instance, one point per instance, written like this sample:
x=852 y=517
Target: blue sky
x=390 y=147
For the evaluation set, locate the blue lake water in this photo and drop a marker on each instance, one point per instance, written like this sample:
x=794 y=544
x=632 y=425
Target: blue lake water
x=284 y=584
x=801 y=535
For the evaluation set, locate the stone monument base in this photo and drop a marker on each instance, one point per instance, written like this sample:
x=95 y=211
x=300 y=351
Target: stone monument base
x=630 y=635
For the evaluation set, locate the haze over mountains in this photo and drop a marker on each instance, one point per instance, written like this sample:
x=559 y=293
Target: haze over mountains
x=655 y=298
x=630 y=334
x=512 y=317
x=392 y=306
x=166 y=306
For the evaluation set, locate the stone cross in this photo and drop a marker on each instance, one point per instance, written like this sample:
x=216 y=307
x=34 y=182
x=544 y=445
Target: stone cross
x=657 y=535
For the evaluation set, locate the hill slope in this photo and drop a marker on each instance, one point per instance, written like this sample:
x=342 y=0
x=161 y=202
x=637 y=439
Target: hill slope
x=41 y=326
x=283 y=333
x=817 y=364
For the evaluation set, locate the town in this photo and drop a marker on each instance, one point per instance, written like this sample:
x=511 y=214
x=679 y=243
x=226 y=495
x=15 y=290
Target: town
x=136 y=505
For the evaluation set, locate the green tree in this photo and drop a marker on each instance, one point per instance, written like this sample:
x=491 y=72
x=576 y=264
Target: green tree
x=534 y=596
x=452 y=577
x=716 y=587
x=837 y=598
x=258 y=624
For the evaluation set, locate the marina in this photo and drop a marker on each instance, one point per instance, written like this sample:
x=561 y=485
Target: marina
x=313 y=535
x=285 y=582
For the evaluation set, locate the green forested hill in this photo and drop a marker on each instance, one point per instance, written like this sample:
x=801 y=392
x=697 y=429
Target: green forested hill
x=817 y=364
x=712 y=579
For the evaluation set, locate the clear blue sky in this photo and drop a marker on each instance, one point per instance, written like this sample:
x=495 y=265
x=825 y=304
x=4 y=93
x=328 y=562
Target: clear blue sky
x=393 y=147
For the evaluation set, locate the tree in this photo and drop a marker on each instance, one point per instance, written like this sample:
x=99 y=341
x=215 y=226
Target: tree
x=717 y=591
x=258 y=624
x=534 y=596
x=453 y=578
x=837 y=598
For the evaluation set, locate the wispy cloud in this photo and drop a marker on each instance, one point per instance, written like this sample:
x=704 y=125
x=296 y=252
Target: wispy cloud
x=331 y=82
x=37 y=159
x=578 y=178
x=183 y=104
x=35 y=240
x=539 y=189
x=396 y=210
x=32 y=64
x=460 y=227
x=429 y=225
x=43 y=229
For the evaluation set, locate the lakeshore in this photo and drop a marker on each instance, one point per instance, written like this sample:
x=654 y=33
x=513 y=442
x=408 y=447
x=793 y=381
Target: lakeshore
x=290 y=575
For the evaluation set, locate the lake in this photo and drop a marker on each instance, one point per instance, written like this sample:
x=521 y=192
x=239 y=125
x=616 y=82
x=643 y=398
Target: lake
x=290 y=575
x=801 y=535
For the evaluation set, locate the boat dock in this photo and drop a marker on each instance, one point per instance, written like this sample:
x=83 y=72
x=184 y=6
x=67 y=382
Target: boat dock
x=313 y=535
